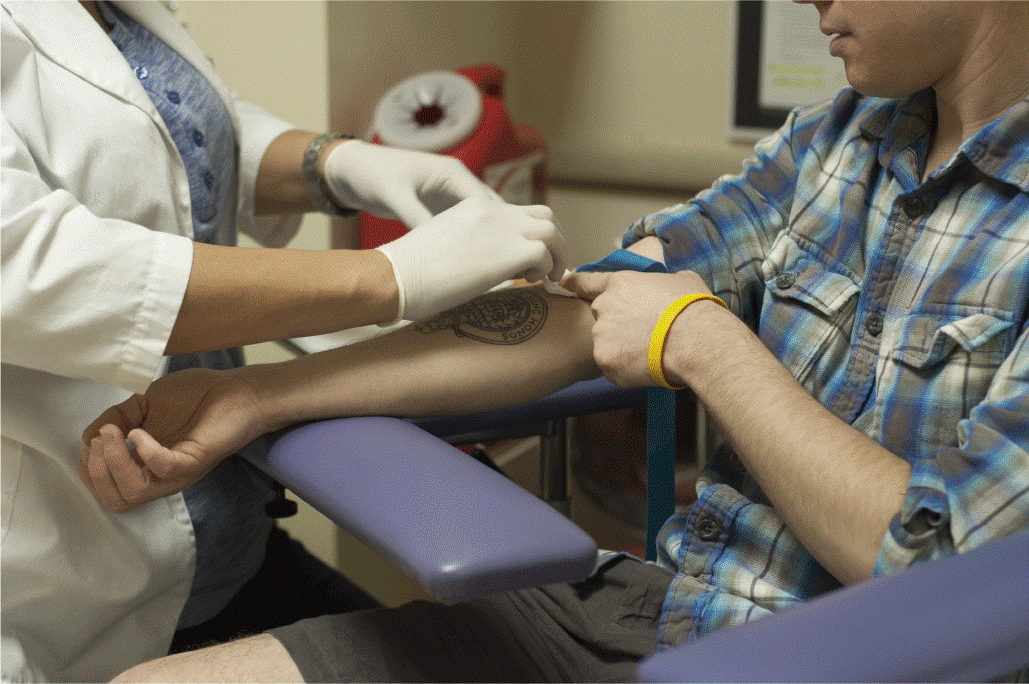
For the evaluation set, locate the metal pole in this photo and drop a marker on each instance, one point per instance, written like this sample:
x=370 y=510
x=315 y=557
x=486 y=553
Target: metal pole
x=554 y=466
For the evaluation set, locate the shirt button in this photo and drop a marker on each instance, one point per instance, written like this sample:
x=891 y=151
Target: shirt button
x=708 y=529
x=874 y=324
x=141 y=72
x=198 y=138
x=914 y=206
x=174 y=97
x=208 y=179
x=784 y=281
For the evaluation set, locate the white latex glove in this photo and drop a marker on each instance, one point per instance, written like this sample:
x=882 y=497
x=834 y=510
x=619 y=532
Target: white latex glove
x=471 y=248
x=399 y=184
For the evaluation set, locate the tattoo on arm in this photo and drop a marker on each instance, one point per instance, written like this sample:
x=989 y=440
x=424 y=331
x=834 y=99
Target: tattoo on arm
x=503 y=317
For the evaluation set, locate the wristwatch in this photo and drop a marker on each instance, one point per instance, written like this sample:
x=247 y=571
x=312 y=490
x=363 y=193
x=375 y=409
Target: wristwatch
x=319 y=192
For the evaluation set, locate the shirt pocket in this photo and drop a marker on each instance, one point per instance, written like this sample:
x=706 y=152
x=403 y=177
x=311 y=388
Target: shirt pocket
x=953 y=357
x=932 y=338
x=807 y=315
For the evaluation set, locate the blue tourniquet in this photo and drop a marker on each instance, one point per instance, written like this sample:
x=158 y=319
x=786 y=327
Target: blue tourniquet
x=660 y=417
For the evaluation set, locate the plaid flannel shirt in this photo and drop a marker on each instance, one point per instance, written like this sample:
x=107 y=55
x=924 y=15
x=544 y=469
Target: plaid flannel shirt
x=901 y=305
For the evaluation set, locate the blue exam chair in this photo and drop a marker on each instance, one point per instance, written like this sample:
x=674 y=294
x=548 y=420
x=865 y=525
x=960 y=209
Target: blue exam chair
x=459 y=528
x=959 y=619
x=463 y=530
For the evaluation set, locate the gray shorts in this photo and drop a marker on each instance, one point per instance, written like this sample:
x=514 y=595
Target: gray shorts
x=593 y=631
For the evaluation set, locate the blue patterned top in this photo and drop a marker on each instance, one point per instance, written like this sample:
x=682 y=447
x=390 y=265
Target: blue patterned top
x=900 y=305
x=227 y=505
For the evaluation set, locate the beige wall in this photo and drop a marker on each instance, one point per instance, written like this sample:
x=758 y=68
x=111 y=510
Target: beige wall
x=631 y=96
x=628 y=92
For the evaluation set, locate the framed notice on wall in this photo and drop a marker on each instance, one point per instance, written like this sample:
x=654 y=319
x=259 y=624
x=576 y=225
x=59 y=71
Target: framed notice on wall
x=782 y=61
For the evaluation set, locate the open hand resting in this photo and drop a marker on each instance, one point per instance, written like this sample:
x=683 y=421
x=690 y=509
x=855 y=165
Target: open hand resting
x=204 y=415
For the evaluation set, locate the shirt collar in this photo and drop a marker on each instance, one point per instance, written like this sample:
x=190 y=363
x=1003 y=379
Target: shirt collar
x=1000 y=149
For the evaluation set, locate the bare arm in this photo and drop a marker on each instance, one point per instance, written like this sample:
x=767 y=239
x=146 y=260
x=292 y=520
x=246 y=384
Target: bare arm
x=837 y=489
x=241 y=295
x=500 y=349
x=238 y=296
x=281 y=188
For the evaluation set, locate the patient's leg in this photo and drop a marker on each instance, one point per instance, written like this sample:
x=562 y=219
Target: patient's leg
x=596 y=630
x=258 y=658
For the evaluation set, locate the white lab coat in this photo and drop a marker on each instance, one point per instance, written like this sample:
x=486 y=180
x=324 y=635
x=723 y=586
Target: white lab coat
x=97 y=251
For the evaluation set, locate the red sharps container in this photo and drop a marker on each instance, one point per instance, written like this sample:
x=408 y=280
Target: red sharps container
x=462 y=114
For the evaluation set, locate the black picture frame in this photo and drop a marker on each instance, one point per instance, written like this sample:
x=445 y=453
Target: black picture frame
x=748 y=112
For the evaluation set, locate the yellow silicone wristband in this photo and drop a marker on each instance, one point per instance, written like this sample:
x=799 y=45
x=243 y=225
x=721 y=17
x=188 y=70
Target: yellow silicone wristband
x=656 y=352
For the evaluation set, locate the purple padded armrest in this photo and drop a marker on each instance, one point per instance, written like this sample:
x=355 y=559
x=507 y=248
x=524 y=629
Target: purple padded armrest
x=459 y=528
x=963 y=618
x=589 y=396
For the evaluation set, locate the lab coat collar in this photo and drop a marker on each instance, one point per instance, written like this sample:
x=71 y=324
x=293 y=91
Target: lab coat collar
x=68 y=35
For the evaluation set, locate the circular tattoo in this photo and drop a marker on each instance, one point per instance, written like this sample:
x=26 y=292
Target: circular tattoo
x=503 y=317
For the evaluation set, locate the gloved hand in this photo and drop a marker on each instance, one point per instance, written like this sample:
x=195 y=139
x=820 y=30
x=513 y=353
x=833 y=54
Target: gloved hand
x=399 y=184
x=471 y=248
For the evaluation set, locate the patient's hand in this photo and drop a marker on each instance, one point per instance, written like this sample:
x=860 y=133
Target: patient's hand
x=182 y=427
x=627 y=306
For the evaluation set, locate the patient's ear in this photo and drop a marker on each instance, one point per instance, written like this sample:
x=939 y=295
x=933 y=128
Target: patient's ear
x=649 y=247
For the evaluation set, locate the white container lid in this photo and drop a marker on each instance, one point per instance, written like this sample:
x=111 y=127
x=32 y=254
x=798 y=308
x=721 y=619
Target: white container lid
x=431 y=112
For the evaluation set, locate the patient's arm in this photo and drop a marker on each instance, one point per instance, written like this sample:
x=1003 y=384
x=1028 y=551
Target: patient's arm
x=500 y=349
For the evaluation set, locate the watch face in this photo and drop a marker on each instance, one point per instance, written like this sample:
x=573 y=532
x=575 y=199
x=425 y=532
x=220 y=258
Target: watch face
x=431 y=112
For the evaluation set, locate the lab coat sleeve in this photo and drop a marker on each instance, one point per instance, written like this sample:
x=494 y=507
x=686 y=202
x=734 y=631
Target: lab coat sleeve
x=257 y=130
x=83 y=296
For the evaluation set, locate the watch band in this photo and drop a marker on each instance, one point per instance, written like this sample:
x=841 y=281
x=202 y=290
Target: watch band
x=319 y=192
